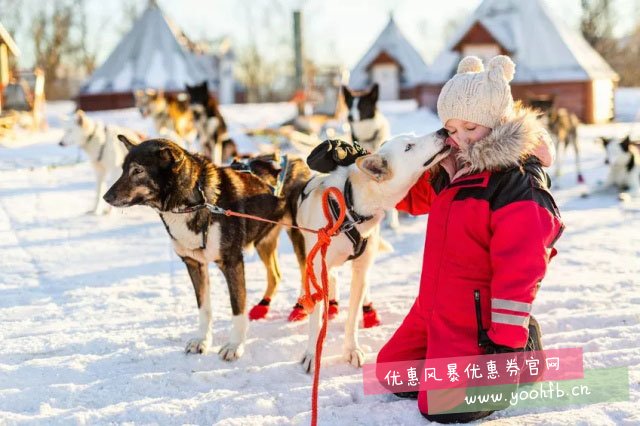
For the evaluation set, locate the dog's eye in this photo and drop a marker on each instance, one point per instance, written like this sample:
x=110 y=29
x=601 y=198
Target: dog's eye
x=136 y=171
x=409 y=147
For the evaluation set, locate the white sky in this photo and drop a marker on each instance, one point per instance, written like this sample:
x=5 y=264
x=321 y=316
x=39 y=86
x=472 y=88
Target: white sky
x=335 y=31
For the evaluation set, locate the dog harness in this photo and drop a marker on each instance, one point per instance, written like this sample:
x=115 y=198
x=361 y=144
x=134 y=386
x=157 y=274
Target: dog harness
x=352 y=219
x=92 y=135
x=245 y=167
x=239 y=167
x=192 y=209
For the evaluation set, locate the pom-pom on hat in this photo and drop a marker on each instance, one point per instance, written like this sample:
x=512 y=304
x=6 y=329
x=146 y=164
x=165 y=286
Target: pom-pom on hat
x=478 y=95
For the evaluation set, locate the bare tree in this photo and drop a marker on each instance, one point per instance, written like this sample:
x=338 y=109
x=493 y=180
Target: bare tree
x=52 y=41
x=131 y=9
x=623 y=53
x=597 y=22
x=89 y=42
x=11 y=15
x=11 y=18
x=627 y=58
x=268 y=29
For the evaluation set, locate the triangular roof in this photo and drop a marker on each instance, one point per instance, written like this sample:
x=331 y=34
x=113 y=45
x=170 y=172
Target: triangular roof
x=543 y=47
x=8 y=40
x=394 y=44
x=153 y=54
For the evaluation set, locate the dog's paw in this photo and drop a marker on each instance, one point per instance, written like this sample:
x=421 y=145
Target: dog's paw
x=354 y=357
x=197 y=346
x=308 y=362
x=231 y=351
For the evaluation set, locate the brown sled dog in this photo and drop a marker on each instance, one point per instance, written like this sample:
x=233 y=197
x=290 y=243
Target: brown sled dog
x=177 y=184
x=563 y=126
x=171 y=114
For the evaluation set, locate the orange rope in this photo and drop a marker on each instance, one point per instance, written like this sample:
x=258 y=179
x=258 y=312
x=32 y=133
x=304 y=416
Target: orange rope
x=261 y=219
x=309 y=300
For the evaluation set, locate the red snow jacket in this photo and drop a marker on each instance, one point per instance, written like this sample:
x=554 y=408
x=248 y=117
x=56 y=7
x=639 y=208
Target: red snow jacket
x=490 y=236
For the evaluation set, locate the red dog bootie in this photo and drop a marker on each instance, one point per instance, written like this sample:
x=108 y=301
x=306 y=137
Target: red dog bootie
x=370 y=316
x=297 y=313
x=261 y=310
x=333 y=308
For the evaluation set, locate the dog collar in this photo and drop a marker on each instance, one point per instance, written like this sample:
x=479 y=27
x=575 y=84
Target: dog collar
x=352 y=219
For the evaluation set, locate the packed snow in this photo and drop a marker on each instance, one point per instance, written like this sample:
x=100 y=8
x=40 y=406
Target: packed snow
x=95 y=311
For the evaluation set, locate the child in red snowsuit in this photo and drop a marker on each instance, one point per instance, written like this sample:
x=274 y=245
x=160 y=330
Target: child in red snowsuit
x=491 y=230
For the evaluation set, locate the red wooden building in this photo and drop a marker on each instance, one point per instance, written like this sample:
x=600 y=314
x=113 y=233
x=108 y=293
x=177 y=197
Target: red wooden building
x=551 y=59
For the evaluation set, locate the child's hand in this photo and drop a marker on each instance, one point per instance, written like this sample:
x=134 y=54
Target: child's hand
x=493 y=348
x=490 y=347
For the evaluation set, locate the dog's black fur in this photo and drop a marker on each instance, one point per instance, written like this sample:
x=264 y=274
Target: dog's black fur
x=199 y=96
x=160 y=174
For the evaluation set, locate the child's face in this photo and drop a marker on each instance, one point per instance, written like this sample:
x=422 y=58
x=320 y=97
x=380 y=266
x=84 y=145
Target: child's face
x=464 y=133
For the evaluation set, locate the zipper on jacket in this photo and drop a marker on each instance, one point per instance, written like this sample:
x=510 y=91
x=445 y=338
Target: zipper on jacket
x=483 y=337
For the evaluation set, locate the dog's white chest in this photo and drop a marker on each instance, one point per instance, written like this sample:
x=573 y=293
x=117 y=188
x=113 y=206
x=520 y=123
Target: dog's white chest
x=189 y=242
x=619 y=175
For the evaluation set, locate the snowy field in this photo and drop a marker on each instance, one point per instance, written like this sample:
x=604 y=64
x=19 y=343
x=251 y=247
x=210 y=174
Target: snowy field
x=95 y=311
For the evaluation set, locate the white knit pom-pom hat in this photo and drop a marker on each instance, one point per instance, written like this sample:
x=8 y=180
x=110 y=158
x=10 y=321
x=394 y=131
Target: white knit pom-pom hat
x=479 y=96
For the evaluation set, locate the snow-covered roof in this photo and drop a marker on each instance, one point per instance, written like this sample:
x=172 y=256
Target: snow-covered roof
x=392 y=42
x=154 y=53
x=543 y=47
x=8 y=40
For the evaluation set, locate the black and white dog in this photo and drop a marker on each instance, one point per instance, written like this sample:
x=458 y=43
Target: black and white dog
x=212 y=129
x=375 y=183
x=623 y=158
x=184 y=188
x=369 y=127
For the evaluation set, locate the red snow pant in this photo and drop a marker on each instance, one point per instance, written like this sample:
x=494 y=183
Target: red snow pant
x=418 y=338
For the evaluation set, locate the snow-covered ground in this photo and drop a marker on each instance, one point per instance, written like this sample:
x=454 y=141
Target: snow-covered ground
x=627 y=104
x=95 y=311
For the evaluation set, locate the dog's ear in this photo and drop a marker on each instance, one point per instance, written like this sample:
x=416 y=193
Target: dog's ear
x=375 y=91
x=347 y=93
x=605 y=141
x=127 y=143
x=375 y=166
x=625 y=143
x=170 y=155
x=80 y=117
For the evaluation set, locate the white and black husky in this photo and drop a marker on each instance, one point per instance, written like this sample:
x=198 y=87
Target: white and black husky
x=375 y=183
x=369 y=127
x=106 y=153
x=623 y=157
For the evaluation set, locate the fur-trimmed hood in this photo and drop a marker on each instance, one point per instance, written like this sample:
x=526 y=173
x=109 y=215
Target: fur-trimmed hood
x=510 y=143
